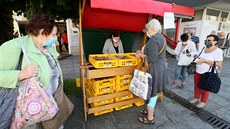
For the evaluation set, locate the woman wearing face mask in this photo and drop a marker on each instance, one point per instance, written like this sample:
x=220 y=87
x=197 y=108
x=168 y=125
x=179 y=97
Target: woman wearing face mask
x=210 y=54
x=187 y=48
x=44 y=65
x=113 y=45
x=155 y=51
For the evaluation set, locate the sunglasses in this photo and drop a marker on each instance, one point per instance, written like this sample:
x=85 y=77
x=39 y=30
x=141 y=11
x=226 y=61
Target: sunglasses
x=208 y=40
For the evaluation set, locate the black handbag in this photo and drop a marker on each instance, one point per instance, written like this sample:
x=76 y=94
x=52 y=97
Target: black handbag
x=191 y=68
x=210 y=81
x=8 y=99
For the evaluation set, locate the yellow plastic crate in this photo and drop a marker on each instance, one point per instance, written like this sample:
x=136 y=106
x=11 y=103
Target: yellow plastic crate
x=123 y=79
x=123 y=107
x=103 y=81
x=102 y=112
x=122 y=87
x=102 y=61
x=78 y=82
x=134 y=56
x=125 y=60
x=123 y=98
x=140 y=103
x=100 y=103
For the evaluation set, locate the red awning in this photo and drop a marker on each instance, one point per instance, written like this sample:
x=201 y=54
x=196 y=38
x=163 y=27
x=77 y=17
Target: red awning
x=142 y=6
x=114 y=20
x=126 y=15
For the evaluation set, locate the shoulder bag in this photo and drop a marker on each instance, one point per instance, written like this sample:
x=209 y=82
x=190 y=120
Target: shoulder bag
x=210 y=81
x=191 y=68
x=141 y=83
x=34 y=102
x=8 y=99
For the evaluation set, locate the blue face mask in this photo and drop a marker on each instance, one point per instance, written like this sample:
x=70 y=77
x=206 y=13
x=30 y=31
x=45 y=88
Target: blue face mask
x=51 y=42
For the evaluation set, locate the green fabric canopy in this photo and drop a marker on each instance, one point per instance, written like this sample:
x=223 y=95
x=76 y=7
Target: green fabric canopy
x=94 y=39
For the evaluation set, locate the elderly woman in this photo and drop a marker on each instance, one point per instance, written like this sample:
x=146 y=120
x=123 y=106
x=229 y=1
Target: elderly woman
x=206 y=59
x=44 y=65
x=113 y=44
x=155 y=51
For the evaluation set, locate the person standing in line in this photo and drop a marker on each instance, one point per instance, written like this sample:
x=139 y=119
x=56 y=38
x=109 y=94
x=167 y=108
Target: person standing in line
x=157 y=69
x=184 y=47
x=223 y=43
x=65 y=40
x=207 y=58
x=195 y=38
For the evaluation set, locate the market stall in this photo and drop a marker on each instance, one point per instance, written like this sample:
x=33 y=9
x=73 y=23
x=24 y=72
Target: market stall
x=128 y=16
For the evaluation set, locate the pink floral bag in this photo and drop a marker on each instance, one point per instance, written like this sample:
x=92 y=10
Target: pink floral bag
x=34 y=103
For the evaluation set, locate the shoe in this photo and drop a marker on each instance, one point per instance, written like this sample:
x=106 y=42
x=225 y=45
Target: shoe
x=183 y=87
x=174 y=84
x=200 y=105
x=145 y=120
x=194 y=101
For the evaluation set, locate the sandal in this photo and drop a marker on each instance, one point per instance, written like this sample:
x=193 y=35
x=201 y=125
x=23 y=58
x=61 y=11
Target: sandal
x=145 y=120
x=145 y=112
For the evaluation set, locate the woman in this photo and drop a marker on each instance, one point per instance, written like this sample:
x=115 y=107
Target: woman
x=44 y=65
x=113 y=45
x=187 y=48
x=210 y=54
x=155 y=51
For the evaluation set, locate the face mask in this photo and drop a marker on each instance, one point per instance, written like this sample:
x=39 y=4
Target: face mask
x=208 y=44
x=115 y=40
x=148 y=35
x=184 y=43
x=51 y=42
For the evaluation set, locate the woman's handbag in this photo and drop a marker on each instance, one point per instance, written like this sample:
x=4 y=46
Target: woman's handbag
x=141 y=84
x=210 y=81
x=34 y=102
x=65 y=109
x=8 y=99
x=191 y=68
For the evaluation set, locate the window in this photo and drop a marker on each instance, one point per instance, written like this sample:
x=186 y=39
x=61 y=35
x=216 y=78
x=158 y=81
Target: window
x=212 y=14
x=224 y=16
x=198 y=14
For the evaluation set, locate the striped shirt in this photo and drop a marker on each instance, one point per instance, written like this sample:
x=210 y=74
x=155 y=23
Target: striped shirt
x=195 y=39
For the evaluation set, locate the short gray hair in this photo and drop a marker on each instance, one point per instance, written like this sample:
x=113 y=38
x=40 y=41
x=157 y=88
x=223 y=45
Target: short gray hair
x=154 y=24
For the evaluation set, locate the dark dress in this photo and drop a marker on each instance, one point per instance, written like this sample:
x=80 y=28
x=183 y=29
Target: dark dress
x=157 y=68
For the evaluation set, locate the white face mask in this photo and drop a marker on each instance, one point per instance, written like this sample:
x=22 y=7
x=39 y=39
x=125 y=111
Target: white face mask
x=115 y=40
x=184 y=43
x=148 y=35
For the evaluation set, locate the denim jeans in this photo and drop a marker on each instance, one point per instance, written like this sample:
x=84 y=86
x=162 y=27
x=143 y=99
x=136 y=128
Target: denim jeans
x=181 y=71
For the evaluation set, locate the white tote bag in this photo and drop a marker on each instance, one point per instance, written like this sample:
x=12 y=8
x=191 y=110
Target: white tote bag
x=141 y=84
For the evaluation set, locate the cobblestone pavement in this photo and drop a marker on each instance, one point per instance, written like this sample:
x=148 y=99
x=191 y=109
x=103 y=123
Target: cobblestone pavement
x=169 y=114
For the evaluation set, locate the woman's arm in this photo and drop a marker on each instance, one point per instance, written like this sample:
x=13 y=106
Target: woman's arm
x=177 y=49
x=106 y=46
x=9 y=56
x=152 y=51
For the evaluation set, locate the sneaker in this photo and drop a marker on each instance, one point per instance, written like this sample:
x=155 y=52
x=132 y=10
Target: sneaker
x=183 y=87
x=200 y=105
x=174 y=84
x=194 y=101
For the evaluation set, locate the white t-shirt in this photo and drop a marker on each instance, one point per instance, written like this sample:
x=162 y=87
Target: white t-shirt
x=216 y=55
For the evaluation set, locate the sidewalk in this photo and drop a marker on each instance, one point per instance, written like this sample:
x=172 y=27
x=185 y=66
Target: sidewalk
x=169 y=114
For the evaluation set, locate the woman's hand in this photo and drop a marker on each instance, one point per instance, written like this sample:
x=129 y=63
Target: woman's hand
x=138 y=54
x=28 y=72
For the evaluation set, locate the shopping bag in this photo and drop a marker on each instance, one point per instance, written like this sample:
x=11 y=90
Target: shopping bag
x=34 y=102
x=210 y=81
x=141 y=84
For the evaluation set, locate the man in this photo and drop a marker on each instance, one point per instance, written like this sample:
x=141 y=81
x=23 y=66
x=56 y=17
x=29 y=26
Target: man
x=194 y=38
x=223 y=43
x=65 y=39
